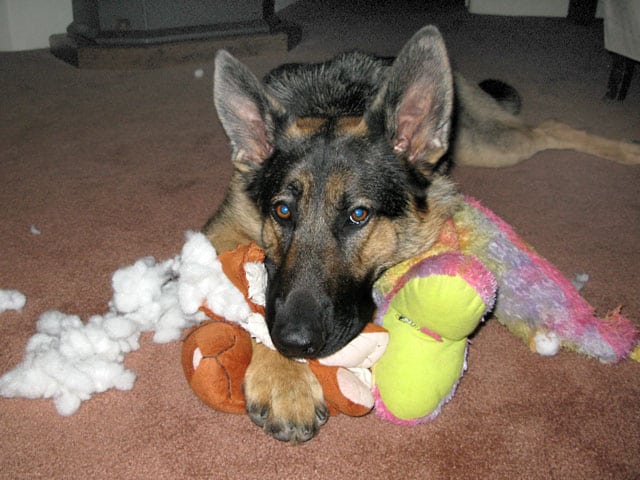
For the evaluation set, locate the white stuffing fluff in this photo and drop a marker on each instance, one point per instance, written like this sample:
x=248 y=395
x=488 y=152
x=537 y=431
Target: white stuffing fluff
x=69 y=360
x=11 y=300
x=202 y=278
x=256 y=274
x=546 y=343
x=580 y=280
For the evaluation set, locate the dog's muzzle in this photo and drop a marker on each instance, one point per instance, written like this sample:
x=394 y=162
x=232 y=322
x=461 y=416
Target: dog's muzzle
x=299 y=325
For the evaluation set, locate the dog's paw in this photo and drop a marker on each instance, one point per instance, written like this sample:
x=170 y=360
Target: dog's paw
x=283 y=396
x=630 y=153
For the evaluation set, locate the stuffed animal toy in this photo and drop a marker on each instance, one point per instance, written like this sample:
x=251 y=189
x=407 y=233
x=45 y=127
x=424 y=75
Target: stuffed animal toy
x=216 y=354
x=429 y=310
x=429 y=304
x=346 y=377
x=447 y=295
x=535 y=301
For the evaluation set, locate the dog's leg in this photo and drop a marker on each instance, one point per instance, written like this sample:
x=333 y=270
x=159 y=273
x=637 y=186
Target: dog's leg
x=504 y=144
x=283 y=396
x=557 y=135
x=489 y=136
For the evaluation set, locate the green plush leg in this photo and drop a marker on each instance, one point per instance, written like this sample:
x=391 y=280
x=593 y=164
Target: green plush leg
x=429 y=320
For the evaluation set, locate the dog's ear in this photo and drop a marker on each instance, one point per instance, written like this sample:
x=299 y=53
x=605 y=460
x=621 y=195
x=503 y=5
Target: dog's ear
x=244 y=109
x=416 y=99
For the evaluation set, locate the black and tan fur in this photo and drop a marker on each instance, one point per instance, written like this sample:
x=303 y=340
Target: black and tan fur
x=340 y=172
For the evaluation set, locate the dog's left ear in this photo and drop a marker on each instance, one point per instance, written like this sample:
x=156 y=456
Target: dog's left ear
x=416 y=99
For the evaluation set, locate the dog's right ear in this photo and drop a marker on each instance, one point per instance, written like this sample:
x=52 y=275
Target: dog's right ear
x=244 y=109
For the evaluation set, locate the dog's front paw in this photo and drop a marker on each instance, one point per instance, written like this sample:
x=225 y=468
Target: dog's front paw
x=283 y=396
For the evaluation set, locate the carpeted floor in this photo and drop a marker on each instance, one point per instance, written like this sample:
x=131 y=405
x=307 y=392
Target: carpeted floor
x=111 y=166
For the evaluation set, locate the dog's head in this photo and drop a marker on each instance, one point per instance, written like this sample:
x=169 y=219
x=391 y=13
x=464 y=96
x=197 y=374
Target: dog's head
x=344 y=180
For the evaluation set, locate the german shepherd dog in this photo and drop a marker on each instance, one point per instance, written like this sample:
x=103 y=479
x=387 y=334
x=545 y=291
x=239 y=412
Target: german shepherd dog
x=340 y=172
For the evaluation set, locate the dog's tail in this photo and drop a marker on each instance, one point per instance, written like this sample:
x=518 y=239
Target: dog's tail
x=507 y=96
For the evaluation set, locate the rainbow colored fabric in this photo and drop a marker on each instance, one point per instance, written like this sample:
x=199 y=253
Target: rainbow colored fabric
x=533 y=295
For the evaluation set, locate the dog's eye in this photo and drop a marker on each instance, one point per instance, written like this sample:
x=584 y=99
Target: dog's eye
x=359 y=216
x=282 y=211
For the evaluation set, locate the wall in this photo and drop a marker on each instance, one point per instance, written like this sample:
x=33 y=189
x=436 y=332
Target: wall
x=28 y=24
x=541 y=8
x=5 y=33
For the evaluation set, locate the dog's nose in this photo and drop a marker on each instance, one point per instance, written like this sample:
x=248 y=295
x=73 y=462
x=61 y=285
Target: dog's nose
x=298 y=327
x=297 y=342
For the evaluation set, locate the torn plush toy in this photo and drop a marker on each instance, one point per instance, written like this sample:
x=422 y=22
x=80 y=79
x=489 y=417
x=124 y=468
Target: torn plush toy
x=69 y=360
x=216 y=354
x=430 y=304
